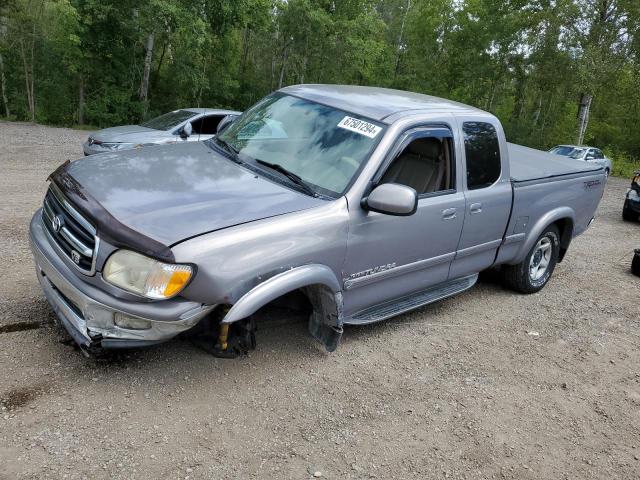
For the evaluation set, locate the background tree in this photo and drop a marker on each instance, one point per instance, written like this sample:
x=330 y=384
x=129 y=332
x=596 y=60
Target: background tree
x=554 y=71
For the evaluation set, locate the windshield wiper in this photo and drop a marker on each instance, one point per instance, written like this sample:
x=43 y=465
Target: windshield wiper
x=290 y=175
x=228 y=148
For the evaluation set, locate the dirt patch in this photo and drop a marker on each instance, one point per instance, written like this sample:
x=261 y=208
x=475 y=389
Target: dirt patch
x=19 y=327
x=22 y=396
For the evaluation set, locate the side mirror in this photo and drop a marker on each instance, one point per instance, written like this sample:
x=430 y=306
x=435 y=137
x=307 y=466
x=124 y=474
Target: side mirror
x=225 y=122
x=392 y=199
x=187 y=130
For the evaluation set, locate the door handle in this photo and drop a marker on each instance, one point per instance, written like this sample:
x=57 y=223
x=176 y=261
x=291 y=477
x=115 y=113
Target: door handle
x=475 y=208
x=449 y=213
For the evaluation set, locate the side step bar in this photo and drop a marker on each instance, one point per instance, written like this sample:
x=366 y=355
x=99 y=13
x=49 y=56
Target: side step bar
x=412 y=301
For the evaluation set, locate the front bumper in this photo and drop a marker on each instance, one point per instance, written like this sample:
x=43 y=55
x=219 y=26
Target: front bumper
x=91 y=148
x=87 y=312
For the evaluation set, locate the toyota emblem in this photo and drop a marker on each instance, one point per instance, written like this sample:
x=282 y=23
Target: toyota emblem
x=56 y=223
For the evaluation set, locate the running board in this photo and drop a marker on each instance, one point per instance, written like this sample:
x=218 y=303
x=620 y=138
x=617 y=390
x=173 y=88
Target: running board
x=410 y=302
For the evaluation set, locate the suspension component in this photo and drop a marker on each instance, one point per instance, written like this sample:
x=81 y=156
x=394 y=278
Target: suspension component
x=225 y=340
x=223 y=336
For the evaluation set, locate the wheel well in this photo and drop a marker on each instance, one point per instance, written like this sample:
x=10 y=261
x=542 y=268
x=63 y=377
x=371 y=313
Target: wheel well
x=321 y=306
x=296 y=300
x=315 y=298
x=565 y=227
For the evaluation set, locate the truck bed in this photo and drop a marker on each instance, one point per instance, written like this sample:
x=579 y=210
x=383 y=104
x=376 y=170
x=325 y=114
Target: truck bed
x=530 y=164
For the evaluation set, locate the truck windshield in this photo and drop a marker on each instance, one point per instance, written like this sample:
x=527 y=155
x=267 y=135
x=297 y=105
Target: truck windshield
x=571 y=152
x=322 y=145
x=169 y=120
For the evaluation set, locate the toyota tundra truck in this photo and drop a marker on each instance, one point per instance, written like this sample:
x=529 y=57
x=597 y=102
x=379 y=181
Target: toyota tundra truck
x=365 y=202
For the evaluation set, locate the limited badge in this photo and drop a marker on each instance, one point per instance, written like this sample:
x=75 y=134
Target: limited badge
x=359 y=126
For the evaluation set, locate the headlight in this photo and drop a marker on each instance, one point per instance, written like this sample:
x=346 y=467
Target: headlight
x=633 y=195
x=117 y=146
x=145 y=276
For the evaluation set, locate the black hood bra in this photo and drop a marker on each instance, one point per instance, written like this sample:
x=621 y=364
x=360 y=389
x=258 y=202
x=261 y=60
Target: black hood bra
x=108 y=228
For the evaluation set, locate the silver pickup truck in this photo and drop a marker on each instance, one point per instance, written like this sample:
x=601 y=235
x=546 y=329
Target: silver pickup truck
x=364 y=202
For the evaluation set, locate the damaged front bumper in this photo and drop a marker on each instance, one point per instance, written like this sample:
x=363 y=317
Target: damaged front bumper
x=88 y=313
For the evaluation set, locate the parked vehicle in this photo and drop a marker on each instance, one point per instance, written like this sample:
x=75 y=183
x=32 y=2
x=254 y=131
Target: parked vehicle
x=369 y=202
x=631 y=208
x=635 y=263
x=187 y=124
x=584 y=153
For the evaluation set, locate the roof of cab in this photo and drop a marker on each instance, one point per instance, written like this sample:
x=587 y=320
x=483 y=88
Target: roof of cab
x=376 y=103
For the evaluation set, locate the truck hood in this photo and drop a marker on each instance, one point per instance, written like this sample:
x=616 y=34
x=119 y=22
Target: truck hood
x=129 y=134
x=175 y=192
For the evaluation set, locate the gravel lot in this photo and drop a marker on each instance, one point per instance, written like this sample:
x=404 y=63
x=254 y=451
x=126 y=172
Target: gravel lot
x=461 y=389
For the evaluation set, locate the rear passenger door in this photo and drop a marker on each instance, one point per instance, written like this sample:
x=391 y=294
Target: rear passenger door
x=488 y=196
x=598 y=157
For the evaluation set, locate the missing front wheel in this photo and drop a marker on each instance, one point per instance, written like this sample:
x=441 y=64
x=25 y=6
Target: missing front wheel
x=225 y=340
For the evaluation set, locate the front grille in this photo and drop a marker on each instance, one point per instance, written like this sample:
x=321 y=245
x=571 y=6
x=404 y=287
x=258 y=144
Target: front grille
x=70 y=231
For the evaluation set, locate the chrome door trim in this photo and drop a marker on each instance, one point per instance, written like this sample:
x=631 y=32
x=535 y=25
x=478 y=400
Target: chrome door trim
x=465 y=252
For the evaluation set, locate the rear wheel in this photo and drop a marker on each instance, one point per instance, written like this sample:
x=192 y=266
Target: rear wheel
x=628 y=214
x=533 y=273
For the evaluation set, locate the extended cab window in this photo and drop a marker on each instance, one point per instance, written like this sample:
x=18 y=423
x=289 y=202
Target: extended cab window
x=483 y=154
x=425 y=164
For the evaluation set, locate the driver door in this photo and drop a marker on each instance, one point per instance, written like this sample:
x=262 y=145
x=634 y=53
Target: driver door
x=392 y=256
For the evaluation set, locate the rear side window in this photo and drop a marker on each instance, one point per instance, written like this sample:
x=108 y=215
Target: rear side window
x=483 y=154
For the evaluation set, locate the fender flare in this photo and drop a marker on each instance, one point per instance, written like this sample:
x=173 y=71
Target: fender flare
x=285 y=282
x=561 y=213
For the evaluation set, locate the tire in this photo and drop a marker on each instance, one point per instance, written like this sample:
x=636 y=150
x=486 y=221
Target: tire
x=635 y=263
x=532 y=274
x=628 y=215
x=606 y=173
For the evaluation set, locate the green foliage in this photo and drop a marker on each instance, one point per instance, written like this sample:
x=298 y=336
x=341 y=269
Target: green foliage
x=527 y=61
x=623 y=164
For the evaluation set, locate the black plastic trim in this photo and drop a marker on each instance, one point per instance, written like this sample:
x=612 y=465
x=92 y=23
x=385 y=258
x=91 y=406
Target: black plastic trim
x=107 y=226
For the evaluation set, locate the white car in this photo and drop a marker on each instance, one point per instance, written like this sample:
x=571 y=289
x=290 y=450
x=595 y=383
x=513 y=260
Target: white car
x=588 y=154
x=187 y=124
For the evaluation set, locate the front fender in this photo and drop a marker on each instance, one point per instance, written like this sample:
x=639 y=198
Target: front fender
x=560 y=213
x=321 y=287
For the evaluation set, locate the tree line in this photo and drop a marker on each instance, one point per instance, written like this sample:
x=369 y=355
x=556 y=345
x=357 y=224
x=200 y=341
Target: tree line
x=553 y=71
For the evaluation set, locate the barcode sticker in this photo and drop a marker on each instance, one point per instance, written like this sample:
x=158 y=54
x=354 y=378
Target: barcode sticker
x=359 y=126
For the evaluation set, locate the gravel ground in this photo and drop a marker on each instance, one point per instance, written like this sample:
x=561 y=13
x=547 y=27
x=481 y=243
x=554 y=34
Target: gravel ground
x=460 y=389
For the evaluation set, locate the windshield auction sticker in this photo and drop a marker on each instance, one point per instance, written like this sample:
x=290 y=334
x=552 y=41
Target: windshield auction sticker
x=360 y=126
